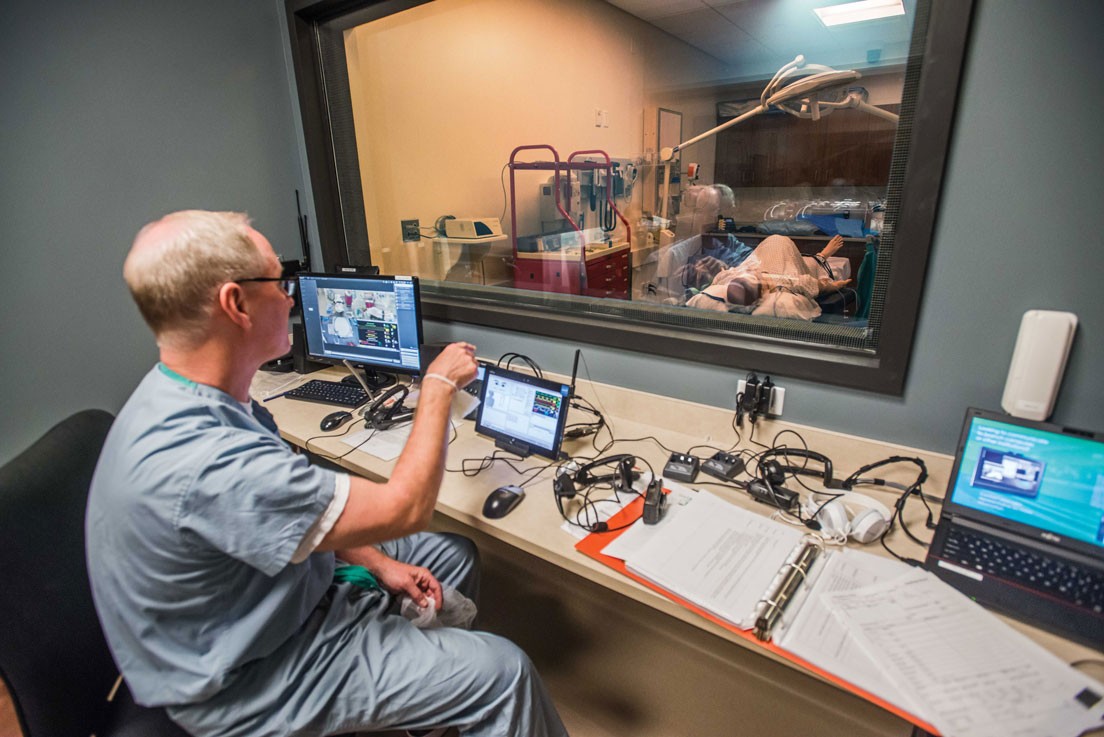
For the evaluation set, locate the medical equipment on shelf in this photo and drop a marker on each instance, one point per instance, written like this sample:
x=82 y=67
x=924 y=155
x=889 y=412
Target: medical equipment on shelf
x=815 y=93
x=600 y=175
x=570 y=196
x=472 y=228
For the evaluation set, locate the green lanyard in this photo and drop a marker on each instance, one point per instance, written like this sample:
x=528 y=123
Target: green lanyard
x=357 y=576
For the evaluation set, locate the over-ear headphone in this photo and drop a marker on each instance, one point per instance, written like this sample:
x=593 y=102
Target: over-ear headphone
x=860 y=517
x=382 y=415
x=775 y=472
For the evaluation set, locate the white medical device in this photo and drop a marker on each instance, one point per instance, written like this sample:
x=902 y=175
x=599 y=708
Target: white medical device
x=472 y=228
x=1038 y=362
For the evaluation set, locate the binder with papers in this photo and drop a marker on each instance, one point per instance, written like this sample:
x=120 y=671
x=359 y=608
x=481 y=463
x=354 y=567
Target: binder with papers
x=731 y=566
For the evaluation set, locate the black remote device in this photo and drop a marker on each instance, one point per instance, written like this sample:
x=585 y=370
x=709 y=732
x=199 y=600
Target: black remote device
x=681 y=467
x=723 y=466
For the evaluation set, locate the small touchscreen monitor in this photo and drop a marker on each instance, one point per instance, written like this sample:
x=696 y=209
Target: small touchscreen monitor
x=522 y=413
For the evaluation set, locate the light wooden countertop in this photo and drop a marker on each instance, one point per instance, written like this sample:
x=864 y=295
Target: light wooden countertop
x=534 y=526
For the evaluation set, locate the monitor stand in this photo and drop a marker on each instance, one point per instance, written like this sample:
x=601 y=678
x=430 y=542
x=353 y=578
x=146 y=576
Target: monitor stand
x=516 y=447
x=370 y=380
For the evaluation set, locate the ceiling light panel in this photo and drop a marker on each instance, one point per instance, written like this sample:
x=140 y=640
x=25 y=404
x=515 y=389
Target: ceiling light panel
x=864 y=10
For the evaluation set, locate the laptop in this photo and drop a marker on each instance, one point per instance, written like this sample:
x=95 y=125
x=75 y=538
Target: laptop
x=1022 y=528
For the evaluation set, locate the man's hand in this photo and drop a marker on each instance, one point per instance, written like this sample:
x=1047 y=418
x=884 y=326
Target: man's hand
x=456 y=362
x=402 y=578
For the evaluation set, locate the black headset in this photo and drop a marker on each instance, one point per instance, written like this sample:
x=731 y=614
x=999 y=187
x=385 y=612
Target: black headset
x=383 y=416
x=774 y=472
x=568 y=483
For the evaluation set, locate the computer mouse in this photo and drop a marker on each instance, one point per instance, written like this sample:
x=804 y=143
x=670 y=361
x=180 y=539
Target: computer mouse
x=334 y=420
x=502 y=500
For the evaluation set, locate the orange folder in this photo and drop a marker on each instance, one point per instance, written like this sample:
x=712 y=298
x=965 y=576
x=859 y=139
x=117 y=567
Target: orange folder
x=591 y=546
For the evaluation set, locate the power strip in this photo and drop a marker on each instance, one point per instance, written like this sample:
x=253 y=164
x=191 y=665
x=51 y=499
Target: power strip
x=778 y=396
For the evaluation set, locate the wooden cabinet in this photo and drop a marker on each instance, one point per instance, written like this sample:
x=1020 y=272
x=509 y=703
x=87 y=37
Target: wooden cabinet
x=608 y=273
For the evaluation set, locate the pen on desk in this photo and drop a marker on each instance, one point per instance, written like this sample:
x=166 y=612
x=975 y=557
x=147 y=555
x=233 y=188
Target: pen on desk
x=791 y=581
x=274 y=396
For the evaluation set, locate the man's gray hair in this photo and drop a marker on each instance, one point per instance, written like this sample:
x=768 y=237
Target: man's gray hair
x=175 y=278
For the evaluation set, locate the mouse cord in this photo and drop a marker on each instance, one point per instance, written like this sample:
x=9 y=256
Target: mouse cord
x=324 y=456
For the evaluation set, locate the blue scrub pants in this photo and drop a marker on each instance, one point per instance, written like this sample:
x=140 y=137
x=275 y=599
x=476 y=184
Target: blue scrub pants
x=356 y=665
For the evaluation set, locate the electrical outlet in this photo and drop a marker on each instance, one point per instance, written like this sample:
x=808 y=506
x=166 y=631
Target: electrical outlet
x=778 y=397
x=411 y=233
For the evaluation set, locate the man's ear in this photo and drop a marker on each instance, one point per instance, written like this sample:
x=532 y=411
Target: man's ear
x=231 y=299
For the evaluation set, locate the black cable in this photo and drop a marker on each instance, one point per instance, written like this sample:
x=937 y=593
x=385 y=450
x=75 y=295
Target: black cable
x=482 y=464
x=307 y=442
x=511 y=357
x=588 y=506
x=583 y=429
x=502 y=182
x=751 y=437
x=897 y=513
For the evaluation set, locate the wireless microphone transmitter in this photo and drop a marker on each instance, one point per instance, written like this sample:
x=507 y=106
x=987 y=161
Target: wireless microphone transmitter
x=655 y=502
x=775 y=496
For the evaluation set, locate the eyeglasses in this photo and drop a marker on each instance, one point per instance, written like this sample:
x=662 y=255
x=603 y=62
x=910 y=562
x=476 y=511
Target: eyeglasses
x=287 y=285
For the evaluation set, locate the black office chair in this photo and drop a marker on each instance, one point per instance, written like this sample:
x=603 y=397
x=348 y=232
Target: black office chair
x=53 y=656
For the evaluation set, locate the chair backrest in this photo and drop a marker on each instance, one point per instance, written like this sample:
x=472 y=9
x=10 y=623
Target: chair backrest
x=53 y=656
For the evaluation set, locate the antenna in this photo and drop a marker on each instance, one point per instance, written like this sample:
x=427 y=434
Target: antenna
x=304 y=234
x=574 y=372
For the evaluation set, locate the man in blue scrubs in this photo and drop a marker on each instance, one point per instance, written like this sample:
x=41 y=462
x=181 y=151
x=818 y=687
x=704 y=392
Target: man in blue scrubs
x=211 y=545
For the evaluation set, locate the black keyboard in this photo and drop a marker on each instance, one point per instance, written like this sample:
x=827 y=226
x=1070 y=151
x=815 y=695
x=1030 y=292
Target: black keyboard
x=1061 y=579
x=329 y=392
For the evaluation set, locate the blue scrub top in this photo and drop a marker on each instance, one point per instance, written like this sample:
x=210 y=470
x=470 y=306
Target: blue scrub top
x=195 y=510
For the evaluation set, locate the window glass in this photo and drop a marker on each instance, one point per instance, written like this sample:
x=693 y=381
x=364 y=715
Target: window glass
x=739 y=182
x=473 y=139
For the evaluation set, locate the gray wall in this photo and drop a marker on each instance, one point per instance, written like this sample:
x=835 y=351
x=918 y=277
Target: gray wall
x=116 y=113
x=113 y=114
x=1019 y=228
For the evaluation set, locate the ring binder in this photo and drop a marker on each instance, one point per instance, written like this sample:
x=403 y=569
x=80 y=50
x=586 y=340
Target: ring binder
x=777 y=598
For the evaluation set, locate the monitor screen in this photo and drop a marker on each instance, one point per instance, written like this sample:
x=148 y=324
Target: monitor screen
x=522 y=413
x=374 y=321
x=1031 y=476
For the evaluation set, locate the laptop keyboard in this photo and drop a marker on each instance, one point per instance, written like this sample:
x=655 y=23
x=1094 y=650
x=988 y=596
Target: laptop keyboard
x=1061 y=579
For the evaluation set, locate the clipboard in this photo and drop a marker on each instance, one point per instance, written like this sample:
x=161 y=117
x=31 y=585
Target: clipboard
x=592 y=546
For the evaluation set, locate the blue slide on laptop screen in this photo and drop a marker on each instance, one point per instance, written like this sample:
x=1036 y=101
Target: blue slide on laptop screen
x=1022 y=529
x=1033 y=476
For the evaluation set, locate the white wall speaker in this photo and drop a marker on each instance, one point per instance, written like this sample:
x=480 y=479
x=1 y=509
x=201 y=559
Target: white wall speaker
x=1038 y=362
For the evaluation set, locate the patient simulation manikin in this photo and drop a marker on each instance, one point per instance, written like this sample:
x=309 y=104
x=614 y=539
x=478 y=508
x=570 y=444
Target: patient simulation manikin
x=775 y=279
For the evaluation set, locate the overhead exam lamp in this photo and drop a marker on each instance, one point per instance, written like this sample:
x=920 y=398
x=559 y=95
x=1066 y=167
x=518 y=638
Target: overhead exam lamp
x=800 y=97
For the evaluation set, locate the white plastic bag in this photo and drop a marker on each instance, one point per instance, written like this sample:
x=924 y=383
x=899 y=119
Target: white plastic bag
x=457 y=611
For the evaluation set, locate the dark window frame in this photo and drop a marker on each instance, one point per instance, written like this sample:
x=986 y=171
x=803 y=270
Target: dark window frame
x=318 y=58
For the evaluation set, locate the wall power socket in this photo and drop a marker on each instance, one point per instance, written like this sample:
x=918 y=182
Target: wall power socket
x=778 y=397
x=411 y=233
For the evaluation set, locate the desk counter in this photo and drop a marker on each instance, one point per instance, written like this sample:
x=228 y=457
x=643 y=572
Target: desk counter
x=535 y=526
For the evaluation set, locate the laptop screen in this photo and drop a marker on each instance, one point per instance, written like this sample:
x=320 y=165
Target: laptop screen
x=1033 y=477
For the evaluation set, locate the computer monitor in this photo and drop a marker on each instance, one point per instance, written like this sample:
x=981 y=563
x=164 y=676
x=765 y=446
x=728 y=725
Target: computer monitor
x=522 y=413
x=369 y=320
